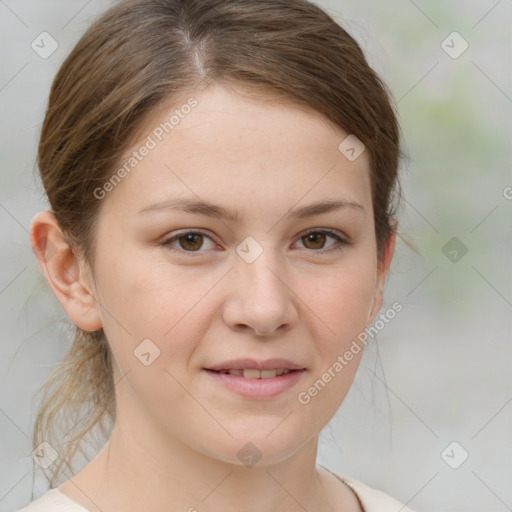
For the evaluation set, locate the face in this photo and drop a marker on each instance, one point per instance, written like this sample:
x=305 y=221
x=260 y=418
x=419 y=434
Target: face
x=183 y=288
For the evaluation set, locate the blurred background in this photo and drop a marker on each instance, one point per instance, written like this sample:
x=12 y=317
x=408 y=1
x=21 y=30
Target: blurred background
x=429 y=417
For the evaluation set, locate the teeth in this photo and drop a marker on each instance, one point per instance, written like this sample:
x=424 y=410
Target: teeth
x=252 y=373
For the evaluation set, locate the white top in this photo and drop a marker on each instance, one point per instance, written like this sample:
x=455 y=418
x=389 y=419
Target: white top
x=371 y=500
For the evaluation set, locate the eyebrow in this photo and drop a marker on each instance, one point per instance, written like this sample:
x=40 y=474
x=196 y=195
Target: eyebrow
x=208 y=209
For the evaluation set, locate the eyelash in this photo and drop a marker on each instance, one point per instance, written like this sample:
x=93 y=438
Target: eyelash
x=334 y=234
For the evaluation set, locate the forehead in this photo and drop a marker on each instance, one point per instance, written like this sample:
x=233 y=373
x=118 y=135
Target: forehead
x=241 y=150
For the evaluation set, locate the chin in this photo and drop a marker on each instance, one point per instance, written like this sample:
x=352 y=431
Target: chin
x=250 y=447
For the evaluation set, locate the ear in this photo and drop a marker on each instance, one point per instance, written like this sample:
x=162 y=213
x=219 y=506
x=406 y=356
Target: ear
x=383 y=267
x=63 y=271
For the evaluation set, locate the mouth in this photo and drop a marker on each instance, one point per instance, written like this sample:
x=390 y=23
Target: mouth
x=256 y=383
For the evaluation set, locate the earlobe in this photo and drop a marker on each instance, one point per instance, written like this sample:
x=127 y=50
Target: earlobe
x=62 y=271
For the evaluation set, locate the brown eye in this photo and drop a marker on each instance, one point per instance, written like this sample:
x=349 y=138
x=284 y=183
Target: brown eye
x=191 y=241
x=317 y=240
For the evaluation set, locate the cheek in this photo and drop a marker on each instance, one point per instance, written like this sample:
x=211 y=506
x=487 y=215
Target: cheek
x=341 y=302
x=140 y=294
x=145 y=300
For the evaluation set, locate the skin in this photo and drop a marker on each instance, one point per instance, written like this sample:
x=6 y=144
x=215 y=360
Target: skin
x=177 y=434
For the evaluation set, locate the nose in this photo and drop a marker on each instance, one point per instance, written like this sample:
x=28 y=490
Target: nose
x=260 y=300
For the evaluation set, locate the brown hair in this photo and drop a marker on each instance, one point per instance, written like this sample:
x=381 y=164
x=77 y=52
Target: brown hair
x=139 y=56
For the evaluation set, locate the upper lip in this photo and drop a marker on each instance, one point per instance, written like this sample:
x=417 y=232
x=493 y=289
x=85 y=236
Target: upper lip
x=267 y=364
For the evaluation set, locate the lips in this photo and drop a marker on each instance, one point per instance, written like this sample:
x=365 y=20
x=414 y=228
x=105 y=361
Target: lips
x=243 y=377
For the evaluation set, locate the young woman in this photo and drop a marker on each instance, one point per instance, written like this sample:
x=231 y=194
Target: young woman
x=221 y=176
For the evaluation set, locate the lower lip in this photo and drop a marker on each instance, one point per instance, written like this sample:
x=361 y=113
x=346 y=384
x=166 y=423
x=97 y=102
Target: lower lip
x=257 y=388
